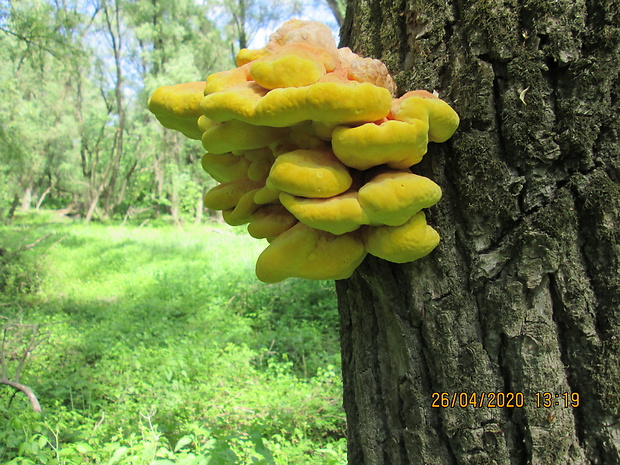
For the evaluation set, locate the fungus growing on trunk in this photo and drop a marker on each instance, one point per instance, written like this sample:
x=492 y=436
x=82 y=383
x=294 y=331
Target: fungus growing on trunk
x=314 y=153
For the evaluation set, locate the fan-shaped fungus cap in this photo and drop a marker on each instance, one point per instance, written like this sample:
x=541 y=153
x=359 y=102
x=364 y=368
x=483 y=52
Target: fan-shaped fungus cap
x=309 y=173
x=235 y=102
x=178 y=107
x=338 y=215
x=291 y=32
x=287 y=71
x=270 y=221
x=304 y=252
x=218 y=82
x=234 y=135
x=401 y=244
x=329 y=102
x=242 y=213
x=292 y=65
x=225 y=167
x=261 y=161
x=422 y=105
x=245 y=55
x=226 y=196
x=392 y=197
x=266 y=195
x=396 y=143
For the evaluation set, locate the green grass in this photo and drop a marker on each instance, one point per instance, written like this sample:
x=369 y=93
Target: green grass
x=164 y=348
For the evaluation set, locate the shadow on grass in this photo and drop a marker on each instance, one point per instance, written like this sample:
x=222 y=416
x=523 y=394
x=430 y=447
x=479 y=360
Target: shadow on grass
x=173 y=326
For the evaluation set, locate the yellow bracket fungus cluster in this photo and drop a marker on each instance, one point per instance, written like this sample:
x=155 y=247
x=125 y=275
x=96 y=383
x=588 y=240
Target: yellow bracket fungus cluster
x=313 y=153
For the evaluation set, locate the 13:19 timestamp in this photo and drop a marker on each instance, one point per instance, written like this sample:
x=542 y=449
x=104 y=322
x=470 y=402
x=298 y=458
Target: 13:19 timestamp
x=549 y=399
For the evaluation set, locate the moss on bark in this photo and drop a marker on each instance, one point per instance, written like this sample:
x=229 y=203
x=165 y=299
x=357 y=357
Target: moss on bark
x=523 y=293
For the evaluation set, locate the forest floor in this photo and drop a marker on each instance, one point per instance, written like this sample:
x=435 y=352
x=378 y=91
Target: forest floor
x=158 y=345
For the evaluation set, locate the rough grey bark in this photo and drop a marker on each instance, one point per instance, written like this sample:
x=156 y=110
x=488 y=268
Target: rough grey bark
x=523 y=293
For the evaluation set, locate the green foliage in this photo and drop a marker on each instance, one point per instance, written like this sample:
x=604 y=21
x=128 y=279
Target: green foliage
x=164 y=349
x=295 y=318
x=18 y=273
x=75 y=132
x=246 y=17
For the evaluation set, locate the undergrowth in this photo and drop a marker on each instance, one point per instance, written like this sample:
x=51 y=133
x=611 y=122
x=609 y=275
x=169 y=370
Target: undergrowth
x=163 y=348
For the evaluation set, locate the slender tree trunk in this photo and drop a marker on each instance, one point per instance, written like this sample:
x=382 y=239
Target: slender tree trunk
x=12 y=208
x=43 y=195
x=26 y=198
x=200 y=206
x=159 y=174
x=334 y=6
x=92 y=205
x=175 y=200
x=522 y=295
x=113 y=25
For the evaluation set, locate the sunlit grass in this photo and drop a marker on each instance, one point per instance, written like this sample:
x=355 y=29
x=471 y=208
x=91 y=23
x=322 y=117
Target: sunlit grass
x=158 y=331
x=112 y=261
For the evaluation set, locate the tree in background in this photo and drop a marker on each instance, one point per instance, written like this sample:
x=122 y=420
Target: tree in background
x=74 y=130
x=36 y=136
x=246 y=17
x=168 y=40
x=523 y=293
x=337 y=7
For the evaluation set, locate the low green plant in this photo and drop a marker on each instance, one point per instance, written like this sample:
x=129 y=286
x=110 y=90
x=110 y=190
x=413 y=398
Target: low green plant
x=165 y=349
x=18 y=273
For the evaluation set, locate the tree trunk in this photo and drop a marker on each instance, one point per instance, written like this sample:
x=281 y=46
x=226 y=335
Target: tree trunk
x=113 y=24
x=522 y=296
x=26 y=198
x=12 y=208
x=159 y=175
x=200 y=206
x=43 y=195
x=92 y=205
x=334 y=6
x=175 y=199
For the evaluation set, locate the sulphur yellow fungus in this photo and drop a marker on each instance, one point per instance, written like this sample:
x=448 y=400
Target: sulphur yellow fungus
x=313 y=153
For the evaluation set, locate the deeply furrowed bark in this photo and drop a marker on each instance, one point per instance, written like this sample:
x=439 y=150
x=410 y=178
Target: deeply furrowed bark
x=523 y=293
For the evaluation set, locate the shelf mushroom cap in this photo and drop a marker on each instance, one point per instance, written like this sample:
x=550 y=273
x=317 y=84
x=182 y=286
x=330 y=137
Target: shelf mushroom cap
x=266 y=196
x=422 y=105
x=398 y=144
x=218 y=82
x=295 y=30
x=178 y=107
x=338 y=215
x=293 y=65
x=392 y=197
x=226 y=196
x=309 y=173
x=327 y=102
x=304 y=252
x=363 y=69
x=234 y=135
x=401 y=244
x=225 y=167
x=270 y=221
x=242 y=212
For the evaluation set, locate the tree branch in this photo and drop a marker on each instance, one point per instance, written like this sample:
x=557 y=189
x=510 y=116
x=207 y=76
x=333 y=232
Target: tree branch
x=30 y=42
x=26 y=390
